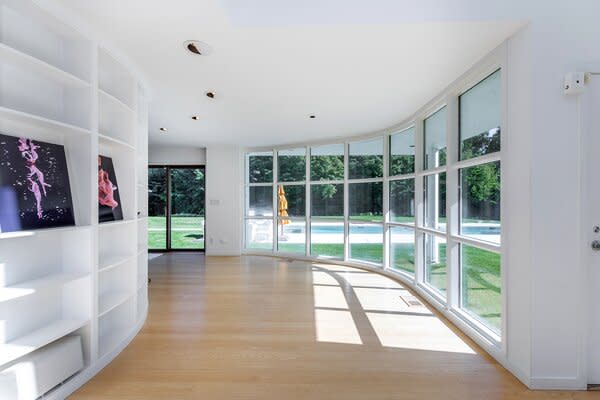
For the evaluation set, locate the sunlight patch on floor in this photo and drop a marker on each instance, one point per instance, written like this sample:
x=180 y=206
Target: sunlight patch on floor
x=323 y=278
x=416 y=333
x=371 y=280
x=386 y=300
x=336 y=326
x=329 y=297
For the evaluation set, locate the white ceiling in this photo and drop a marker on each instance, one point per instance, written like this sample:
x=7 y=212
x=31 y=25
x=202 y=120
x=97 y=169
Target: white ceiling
x=359 y=66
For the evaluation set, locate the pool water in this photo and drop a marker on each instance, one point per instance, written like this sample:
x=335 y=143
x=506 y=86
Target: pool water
x=377 y=229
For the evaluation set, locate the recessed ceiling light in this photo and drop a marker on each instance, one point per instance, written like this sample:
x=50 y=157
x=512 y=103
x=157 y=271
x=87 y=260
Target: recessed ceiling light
x=163 y=129
x=210 y=95
x=312 y=117
x=195 y=117
x=197 y=47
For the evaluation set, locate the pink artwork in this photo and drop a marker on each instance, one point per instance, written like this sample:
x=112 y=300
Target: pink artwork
x=35 y=178
x=106 y=189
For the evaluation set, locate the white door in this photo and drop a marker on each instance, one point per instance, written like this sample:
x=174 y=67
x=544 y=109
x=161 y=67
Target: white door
x=590 y=145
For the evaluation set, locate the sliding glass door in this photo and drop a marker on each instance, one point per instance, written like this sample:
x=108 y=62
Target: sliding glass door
x=157 y=208
x=176 y=202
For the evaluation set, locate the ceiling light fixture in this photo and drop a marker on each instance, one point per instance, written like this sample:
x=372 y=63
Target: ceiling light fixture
x=163 y=129
x=210 y=95
x=197 y=47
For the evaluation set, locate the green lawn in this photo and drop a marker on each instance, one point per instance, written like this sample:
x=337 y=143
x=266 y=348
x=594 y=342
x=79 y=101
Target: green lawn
x=186 y=232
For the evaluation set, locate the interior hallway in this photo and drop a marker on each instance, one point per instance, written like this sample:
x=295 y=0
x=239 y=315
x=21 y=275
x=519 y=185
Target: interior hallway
x=266 y=328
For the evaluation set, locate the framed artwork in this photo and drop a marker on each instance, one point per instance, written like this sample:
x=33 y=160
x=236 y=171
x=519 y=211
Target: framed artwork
x=34 y=185
x=109 y=201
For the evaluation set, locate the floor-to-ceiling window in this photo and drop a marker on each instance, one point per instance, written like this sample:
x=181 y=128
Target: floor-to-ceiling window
x=365 y=200
x=259 y=201
x=434 y=201
x=327 y=201
x=422 y=201
x=401 y=214
x=480 y=111
x=291 y=201
x=176 y=202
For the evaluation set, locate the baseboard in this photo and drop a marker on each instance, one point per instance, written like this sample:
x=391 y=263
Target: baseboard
x=223 y=253
x=557 y=383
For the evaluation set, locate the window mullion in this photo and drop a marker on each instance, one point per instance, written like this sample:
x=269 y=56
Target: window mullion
x=386 y=203
x=346 y=203
x=275 y=200
x=452 y=205
x=307 y=205
x=419 y=202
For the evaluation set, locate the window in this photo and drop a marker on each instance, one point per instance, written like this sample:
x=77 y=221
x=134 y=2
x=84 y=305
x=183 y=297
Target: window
x=402 y=201
x=402 y=249
x=402 y=152
x=260 y=167
x=349 y=217
x=480 y=118
x=327 y=238
x=291 y=165
x=480 y=201
x=291 y=201
x=259 y=234
x=435 y=262
x=259 y=201
x=327 y=224
x=366 y=159
x=327 y=201
x=366 y=243
x=481 y=287
x=327 y=163
x=366 y=201
x=434 y=129
x=435 y=201
x=291 y=237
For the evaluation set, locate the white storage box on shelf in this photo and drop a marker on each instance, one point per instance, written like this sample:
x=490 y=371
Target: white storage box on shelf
x=42 y=370
x=58 y=85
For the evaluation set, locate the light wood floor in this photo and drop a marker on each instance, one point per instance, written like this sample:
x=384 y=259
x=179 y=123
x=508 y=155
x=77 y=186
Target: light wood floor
x=264 y=328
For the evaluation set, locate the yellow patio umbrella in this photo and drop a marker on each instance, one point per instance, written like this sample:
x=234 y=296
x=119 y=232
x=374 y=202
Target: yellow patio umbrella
x=282 y=206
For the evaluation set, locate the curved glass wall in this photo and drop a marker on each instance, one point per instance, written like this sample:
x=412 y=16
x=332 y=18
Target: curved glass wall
x=423 y=202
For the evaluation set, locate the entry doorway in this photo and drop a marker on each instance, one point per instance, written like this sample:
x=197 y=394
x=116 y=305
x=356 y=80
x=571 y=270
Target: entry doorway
x=176 y=208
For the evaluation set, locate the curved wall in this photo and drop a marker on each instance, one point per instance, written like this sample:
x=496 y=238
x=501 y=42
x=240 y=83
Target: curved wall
x=407 y=219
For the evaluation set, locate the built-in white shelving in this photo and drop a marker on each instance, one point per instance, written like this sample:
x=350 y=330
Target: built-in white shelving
x=27 y=288
x=38 y=338
x=58 y=85
x=41 y=68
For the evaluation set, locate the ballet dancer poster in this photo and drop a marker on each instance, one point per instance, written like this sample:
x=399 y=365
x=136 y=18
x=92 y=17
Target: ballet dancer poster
x=34 y=177
x=109 y=201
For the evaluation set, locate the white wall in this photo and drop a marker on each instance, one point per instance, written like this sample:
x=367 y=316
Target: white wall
x=176 y=155
x=561 y=42
x=223 y=201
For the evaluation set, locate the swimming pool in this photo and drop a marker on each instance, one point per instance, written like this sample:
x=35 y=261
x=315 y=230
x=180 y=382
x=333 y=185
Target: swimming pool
x=483 y=229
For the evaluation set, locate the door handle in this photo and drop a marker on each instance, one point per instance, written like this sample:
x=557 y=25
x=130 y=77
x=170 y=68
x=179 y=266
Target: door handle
x=596 y=245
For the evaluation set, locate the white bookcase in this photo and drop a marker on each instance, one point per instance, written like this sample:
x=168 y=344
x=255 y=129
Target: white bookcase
x=59 y=85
